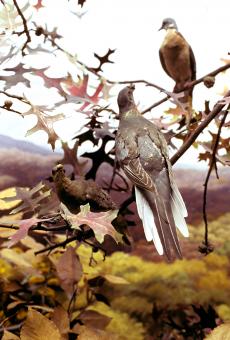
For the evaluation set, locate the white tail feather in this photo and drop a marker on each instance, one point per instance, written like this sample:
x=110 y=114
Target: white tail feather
x=178 y=215
x=147 y=218
x=179 y=200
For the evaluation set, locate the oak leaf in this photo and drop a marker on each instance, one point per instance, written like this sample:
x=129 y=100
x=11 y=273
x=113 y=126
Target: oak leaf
x=103 y=60
x=79 y=90
x=24 y=227
x=99 y=222
x=30 y=198
x=45 y=123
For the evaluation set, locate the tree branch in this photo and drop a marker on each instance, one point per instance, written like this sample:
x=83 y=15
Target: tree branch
x=26 y=31
x=212 y=164
x=191 y=139
x=190 y=85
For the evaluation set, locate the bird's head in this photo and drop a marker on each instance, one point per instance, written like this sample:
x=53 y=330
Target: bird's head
x=125 y=99
x=168 y=23
x=58 y=172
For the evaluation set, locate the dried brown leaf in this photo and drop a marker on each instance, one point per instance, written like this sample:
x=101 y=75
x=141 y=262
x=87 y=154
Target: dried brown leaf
x=94 y=319
x=88 y=333
x=69 y=270
x=38 y=327
x=9 y=336
x=61 y=320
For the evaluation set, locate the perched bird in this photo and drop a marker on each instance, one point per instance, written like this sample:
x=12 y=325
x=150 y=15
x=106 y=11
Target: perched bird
x=178 y=61
x=79 y=192
x=142 y=152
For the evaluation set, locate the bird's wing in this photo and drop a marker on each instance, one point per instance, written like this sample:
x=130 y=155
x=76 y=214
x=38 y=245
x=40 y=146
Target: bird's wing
x=191 y=57
x=163 y=64
x=148 y=172
x=137 y=174
x=192 y=63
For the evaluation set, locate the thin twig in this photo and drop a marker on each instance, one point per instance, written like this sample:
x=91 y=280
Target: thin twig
x=189 y=85
x=15 y=97
x=26 y=31
x=11 y=110
x=212 y=163
x=56 y=245
x=191 y=139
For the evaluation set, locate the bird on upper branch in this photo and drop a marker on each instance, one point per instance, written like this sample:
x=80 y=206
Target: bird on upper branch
x=79 y=192
x=142 y=152
x=178 y=61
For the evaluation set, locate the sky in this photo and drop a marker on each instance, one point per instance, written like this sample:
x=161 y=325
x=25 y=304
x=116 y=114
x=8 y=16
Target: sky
x=130 y=27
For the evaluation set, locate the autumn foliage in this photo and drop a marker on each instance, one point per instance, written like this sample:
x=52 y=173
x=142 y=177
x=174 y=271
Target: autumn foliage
x=80 y=276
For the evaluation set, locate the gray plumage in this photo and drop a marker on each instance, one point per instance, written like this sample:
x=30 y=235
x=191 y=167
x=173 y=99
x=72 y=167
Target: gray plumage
x=142 y=152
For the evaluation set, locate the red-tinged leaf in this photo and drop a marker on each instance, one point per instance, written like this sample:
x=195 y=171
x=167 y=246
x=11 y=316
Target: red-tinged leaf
x=38 y=5
x=79 y=90
x=61 y=320
x=100 y=222
x=38 y=327
x=24 y=227
x=45 y=123
x=69 y=270
x=94 y=319
x=51 y=82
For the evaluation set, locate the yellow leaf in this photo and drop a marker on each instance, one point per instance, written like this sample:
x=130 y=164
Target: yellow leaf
x=38 y=327
x=116 y=279
x=10 y=192
x=15 y=258
x=8 y=220
x=222 y=332
x=9 y=336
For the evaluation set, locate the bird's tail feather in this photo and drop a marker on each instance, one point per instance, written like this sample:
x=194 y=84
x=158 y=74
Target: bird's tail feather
x=158 y=222
x=148 y=221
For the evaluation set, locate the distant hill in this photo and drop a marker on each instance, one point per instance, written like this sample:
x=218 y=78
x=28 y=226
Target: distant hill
x=25 y=164
x=9 y=143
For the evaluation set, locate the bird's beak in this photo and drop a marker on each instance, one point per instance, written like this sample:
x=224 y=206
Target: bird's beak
x=161 y=28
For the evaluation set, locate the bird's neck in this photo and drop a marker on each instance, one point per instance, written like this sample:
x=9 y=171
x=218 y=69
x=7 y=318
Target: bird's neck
x=171 y=30
x=59 y=179
x=133 y=112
